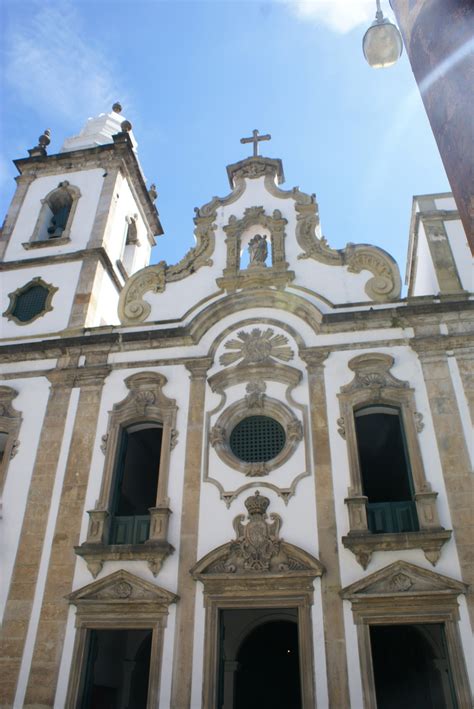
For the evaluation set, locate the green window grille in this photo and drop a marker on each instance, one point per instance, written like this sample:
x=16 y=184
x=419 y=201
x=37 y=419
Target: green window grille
x=257 y=439
x=30 y=303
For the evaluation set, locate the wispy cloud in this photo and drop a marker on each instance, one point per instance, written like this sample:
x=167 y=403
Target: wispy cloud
x=52 y=66
x=338 y=15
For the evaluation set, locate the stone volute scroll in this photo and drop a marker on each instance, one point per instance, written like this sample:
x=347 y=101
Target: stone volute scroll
x=10 y=423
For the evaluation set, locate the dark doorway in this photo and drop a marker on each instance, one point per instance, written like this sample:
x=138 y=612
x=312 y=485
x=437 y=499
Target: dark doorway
x=411 y=667
x=136 y=483
x=116 y=671
x=385 y=470
x=263 y=670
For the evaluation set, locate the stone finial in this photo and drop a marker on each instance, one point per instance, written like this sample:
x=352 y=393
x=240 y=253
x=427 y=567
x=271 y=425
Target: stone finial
x=43 y=141
x=126 y=126
x=117 y=107
x=152 y=192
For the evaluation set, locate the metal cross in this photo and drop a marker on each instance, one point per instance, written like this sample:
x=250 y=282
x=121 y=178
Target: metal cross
x=256 y=138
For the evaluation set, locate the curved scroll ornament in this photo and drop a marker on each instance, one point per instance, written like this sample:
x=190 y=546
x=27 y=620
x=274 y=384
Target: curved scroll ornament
x=385 y=283
x=132 y=307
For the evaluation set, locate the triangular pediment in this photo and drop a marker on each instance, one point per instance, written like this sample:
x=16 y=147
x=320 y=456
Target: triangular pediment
x=122 y=586
x=403 y=578
x=288 y=560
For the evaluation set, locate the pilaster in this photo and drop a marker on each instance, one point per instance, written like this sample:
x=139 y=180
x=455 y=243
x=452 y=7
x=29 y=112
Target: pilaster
x=453 y=454
x=334 y=634
x=184 y=638
x=23 y=183
x=47 y=653
x=25 y=572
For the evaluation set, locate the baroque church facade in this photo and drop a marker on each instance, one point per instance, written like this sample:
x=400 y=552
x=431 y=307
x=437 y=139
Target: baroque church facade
x=242 y=480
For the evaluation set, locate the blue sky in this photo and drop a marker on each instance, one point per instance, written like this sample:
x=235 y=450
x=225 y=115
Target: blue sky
x=194 y=77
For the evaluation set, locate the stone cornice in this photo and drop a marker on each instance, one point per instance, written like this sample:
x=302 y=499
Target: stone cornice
x=66 y=257
x=120 y=150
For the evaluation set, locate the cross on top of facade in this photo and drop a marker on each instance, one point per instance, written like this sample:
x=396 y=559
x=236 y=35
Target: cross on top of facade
x=255 y=139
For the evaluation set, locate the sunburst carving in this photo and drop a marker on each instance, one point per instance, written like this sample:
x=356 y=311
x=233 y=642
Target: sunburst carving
x=257 y=346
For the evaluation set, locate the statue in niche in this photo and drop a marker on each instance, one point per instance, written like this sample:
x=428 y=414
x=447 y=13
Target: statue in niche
x=258 y=250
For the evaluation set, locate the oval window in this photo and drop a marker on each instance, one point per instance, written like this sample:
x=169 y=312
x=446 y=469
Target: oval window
x=257 y=439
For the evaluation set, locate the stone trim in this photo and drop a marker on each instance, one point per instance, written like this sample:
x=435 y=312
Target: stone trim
x=75 y=194
x=219 y=434
x=10 y=423
x=253 y=168
x=453 y=453
x=23 y=183
x=403 y=593
x=274 y=575
x=373 y=383
x=332 y=610
x=185 y=617
x=145 y=403
x=46 y=243
x=14 y=295
x=260 y=276
x=120 y=601
x=21 y=595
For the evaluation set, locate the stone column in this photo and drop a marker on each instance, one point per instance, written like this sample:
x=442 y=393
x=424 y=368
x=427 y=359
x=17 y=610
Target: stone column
x=184 y=637
x=334 y=635
x=25 y=572
x=453 y=454
x=465 y=362
x=42 y=682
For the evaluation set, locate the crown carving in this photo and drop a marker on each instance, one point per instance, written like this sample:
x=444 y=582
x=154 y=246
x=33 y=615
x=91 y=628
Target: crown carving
x=257 y=505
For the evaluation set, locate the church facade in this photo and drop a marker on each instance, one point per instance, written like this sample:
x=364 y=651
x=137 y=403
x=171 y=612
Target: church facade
x=240 y=480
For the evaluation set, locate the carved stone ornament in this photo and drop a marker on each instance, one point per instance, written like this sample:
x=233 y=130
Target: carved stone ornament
x=103 y=445
x=372 y=372
x=153 y=279
x=122 y=586
x=385 y=283
x=255 y=394
x=10 y=423
x=341 y=427
x=257 y=547
x=419 y=425
x=400 y=582
x=257 y=346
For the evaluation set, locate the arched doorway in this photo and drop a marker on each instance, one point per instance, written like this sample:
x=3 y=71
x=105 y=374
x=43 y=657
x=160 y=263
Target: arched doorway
x=268 y=671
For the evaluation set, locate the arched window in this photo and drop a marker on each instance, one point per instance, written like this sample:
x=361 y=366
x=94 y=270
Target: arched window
x=135 y=483
x=56 y=215
x=385 y=470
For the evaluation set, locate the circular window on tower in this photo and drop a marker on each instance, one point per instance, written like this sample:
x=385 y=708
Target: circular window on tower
x=257 y=439
x=30 y=302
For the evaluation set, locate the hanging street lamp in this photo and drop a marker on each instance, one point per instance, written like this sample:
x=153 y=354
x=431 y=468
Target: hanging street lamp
x=382 y=43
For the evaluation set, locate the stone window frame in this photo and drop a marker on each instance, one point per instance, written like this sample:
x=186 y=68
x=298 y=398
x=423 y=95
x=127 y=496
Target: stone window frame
x=35 y=242
x=277 y=274
x=120 y=601
x=219 y=435
x=14 y=295
x=145 y=404
x=10 y=423
x=405 y=594
x=375 y=385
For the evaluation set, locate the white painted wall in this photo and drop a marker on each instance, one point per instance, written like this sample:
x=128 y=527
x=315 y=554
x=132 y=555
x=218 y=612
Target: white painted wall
x=64 y=277
x=89 y=183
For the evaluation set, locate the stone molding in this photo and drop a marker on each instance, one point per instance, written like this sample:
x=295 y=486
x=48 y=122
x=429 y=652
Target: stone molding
x=374 y=384
x=255 y=376
x=14 y=295
x=47 y=243
x=10 y=423
x=219 y=434
x=255 y=276
x=145 y=403
x=132 y=306
x=253 y=168
x=258 y=569
x=403 y=593
x=119 y=601
x=75 y=194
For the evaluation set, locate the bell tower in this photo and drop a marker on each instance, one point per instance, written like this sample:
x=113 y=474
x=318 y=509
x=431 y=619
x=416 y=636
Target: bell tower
x=82 y=221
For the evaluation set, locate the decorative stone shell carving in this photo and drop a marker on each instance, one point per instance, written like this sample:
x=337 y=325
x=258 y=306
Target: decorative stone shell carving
x=257 y=346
